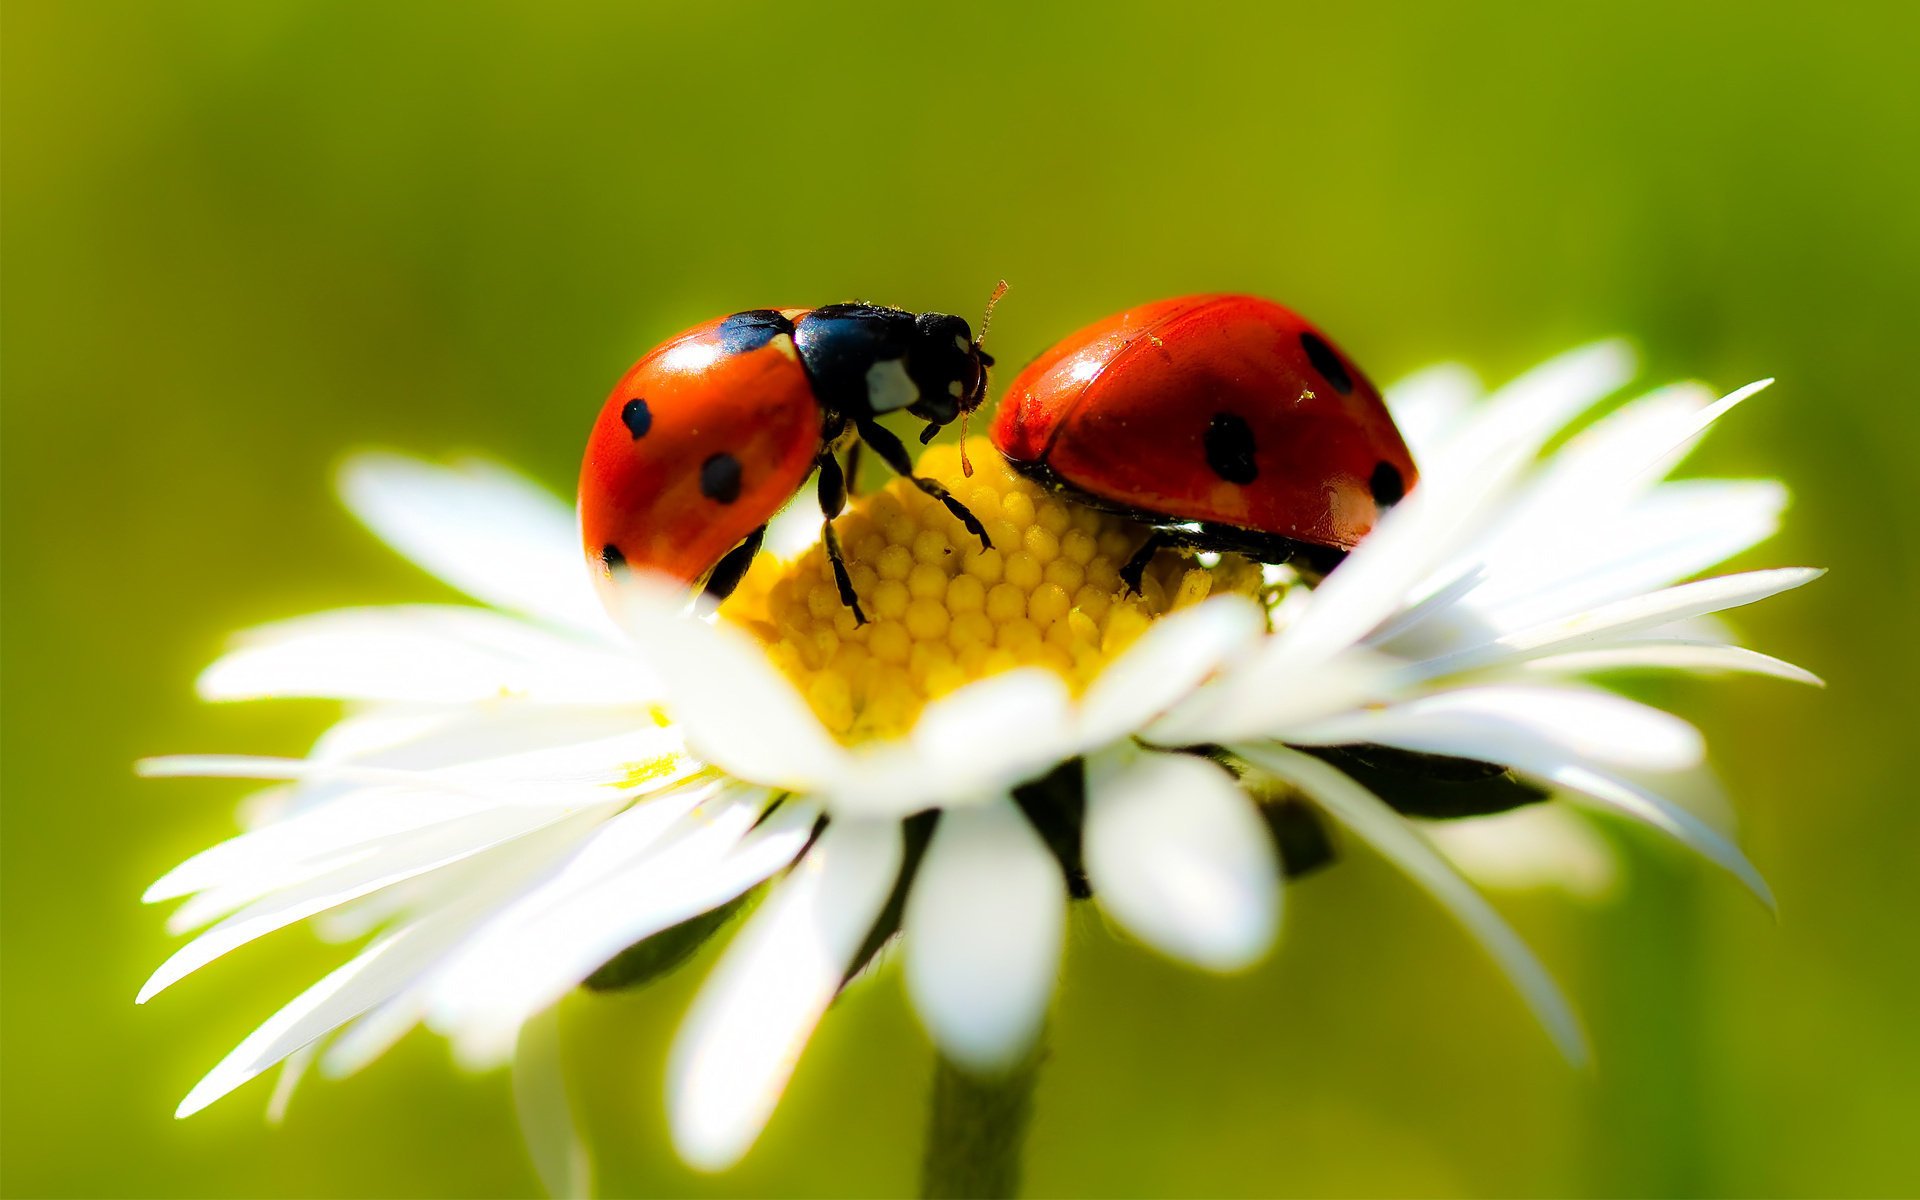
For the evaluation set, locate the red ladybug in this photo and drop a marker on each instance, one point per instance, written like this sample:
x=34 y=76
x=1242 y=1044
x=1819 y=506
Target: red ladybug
x=1224 y=422
x=704 y=439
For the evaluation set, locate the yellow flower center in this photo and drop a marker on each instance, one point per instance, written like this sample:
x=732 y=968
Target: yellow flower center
x=943 y=611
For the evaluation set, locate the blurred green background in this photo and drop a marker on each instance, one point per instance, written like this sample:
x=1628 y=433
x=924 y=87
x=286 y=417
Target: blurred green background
x=241 y=238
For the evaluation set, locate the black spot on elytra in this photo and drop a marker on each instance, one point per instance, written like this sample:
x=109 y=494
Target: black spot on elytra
x=752 y=329
x=720 y=478
x=611 y=558
x=1326 y=362
x=637 y=417
x=1386 y=485
x=1229 y=445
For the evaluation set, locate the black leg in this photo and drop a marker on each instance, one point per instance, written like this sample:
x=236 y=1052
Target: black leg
x=833 y=497
x=853 y=468
x=727 y=575
x=894 y=454
x=1137 y=565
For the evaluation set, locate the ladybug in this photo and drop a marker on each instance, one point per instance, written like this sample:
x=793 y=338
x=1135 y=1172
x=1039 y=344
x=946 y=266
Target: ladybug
x=1222 y=422
x=706 y=437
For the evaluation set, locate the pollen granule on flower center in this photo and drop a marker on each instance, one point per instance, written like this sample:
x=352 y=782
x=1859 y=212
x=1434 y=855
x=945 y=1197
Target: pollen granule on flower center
x=944 y=611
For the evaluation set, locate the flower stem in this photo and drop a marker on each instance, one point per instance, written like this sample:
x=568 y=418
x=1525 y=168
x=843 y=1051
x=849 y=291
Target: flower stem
x=976 y=1131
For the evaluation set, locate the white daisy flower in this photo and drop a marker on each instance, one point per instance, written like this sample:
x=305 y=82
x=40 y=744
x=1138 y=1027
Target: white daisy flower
x=521 y=793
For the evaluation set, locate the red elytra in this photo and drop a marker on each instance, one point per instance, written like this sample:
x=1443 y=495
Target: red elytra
x=696 y=399
x=1229 y=421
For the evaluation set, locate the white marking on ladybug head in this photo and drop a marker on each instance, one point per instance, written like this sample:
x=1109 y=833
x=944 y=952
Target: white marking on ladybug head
x=784 y=344
x=966 y=347
x=888 y=387
x=955 y=389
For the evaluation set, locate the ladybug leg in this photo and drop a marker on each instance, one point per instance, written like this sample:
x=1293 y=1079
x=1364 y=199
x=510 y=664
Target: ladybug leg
x=728 y=573
x=853 y=468
x=894 y=454
x=1137 y=565
x=833 y=497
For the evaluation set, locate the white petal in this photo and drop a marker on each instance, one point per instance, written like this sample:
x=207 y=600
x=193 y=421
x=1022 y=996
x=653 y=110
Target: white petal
x=1528 y=411
x=1677 y=531
x=1532 y=847
x=418 y=653
x=1390 y=835
x=547 y=1118
x=1268 y=695
x=1429 y=403
x=994 y=732
x=1179 y=856
x=740 y=1043
x=293 y=1068
x=398 y=858
x=487 y=531
x=1662 y=814
x=1169 y=661
x=340 y=996
x=1622 y=619
x=556 y=936
x=272 y=852
x=1417 y=549
x=375 y=1033
x=1499 y=723
x=967 y=748
x=738 y=711
x=983 y=929
x=1675 y=654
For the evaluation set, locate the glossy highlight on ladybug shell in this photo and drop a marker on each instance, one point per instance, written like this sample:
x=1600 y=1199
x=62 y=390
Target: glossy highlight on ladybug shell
x=1228 y=411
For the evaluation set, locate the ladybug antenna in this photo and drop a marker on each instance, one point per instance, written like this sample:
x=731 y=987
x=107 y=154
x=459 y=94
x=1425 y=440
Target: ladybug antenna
x=986 y=322
x=986 y=318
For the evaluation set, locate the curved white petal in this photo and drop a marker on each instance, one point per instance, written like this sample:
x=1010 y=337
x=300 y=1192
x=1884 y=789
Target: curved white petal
x=1645 y=806
x=739 y=1044
x=484 y=529
x=1523 y=414
x=401 y=857
x=1389 y=834
x=1624 y=618
x=1498 y=723
x=423 y=654
x=1168 y=662
x=293 y=1069
x=1677 y=654
x=738 y=711
x=967 y=748
x=369 y=978
x=1178 y=855
x=547 y=1118
x=561 y=932
x=1535 y=846
x=1265 y=698
x=1428 y=404
x=982 y=935
x=375 y=1033
x=1582 y=561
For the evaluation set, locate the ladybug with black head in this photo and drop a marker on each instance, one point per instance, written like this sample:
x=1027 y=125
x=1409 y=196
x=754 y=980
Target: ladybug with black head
x=1222 y=422
x=706 y=437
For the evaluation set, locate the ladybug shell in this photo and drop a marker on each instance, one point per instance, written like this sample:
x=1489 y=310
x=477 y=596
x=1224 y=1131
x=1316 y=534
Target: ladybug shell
x=700 y=443
x=1227 y=410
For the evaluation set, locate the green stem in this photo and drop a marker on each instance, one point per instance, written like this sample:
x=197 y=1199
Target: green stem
x=976 y=1130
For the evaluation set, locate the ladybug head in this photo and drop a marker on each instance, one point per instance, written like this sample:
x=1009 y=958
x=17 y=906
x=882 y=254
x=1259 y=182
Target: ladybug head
x=950 y=367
